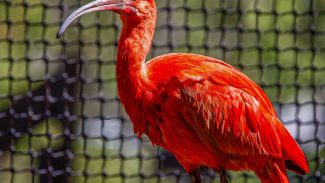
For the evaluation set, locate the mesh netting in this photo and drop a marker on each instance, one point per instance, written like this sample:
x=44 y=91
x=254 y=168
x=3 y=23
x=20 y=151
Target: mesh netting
x=60 y=117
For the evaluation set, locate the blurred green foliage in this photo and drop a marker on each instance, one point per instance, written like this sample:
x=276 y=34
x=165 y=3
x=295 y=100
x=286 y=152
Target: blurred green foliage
x=272 y=49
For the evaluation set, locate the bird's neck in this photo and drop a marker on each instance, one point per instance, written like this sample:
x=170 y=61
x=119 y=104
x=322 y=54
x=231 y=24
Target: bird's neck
x=133 y=47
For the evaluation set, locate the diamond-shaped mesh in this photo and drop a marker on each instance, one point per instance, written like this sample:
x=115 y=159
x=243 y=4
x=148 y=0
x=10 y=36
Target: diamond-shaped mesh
x=60 y=117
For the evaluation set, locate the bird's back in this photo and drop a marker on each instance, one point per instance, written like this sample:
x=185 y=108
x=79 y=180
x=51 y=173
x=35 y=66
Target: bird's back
x=232 y=113
x=186 y=66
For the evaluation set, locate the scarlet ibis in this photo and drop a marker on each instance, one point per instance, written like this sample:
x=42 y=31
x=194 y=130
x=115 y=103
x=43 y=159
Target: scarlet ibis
x=204 y=111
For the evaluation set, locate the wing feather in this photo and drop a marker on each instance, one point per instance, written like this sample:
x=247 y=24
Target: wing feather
x=227 y=110
x=235 y=119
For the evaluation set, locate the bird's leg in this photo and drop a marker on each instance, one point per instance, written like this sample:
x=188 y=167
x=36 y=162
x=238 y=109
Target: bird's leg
x=223 y=176
x=196 y=177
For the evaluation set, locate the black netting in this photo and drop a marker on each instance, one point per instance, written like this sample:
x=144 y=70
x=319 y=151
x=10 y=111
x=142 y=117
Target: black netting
x=60 y=117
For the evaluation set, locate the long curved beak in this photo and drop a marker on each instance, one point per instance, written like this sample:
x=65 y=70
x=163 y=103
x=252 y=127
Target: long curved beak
x=119 y=6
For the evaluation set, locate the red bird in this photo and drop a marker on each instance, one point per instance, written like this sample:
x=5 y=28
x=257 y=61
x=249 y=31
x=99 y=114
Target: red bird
x=204 y=111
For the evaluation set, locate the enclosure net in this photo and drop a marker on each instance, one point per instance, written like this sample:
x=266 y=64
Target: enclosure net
x=60 y=117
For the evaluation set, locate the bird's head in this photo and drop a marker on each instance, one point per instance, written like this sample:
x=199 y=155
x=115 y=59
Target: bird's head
x=128 y=9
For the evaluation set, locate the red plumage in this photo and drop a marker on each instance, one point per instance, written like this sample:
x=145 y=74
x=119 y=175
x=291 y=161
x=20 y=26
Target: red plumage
x=204 y=111
x=220 y=108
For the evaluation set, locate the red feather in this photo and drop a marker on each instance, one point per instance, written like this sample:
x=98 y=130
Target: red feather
x=223 y=109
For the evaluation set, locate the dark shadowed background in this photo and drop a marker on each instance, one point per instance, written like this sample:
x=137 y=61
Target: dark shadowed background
x=60 y=117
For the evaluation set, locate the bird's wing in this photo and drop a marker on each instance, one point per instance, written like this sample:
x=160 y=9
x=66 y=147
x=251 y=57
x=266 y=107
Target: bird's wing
x=225 y=108
x=229 y=118
x=223 y=105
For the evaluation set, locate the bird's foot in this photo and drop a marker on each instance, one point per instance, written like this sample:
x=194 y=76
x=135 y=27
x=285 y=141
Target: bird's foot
x=223 y=176
x=196 y=177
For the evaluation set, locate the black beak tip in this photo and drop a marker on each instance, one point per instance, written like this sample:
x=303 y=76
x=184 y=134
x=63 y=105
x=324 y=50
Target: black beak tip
x=58 y=35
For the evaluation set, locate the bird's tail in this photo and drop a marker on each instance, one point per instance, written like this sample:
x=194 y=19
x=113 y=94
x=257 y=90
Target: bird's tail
x=295 y=159
x=273 y=174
